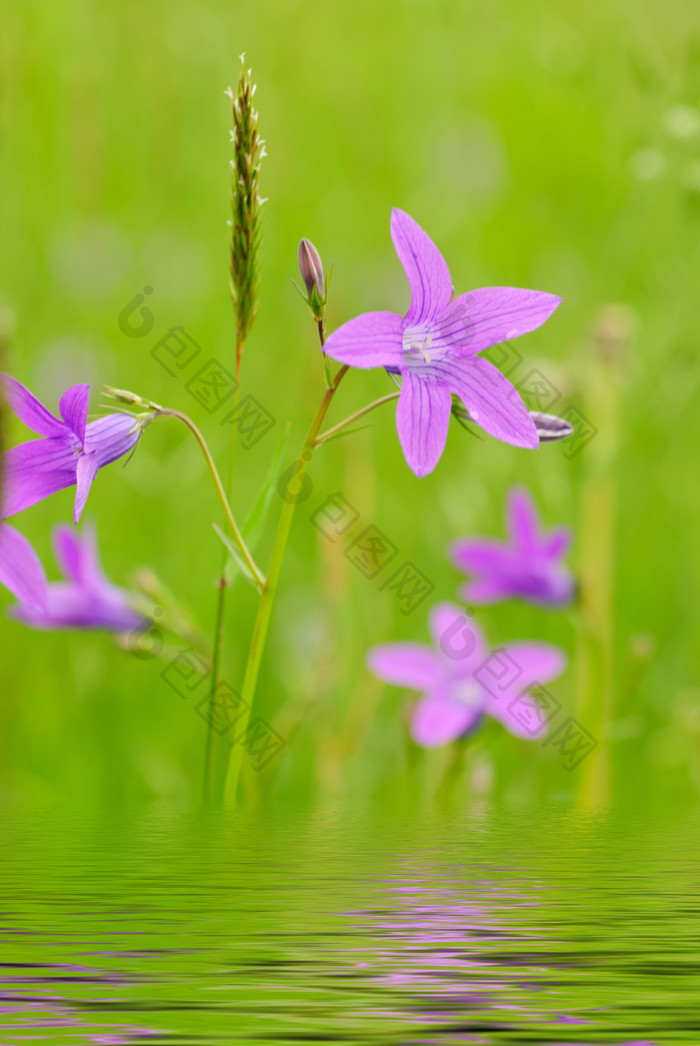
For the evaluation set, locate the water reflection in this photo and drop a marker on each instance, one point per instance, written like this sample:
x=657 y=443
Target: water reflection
x=326 y=929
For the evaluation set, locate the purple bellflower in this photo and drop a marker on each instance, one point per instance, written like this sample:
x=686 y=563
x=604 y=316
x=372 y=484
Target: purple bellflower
x=461 y=680
x=435 y=347
x=70 y=453
x=20 y=568
x=529 y=566
x=86 y=599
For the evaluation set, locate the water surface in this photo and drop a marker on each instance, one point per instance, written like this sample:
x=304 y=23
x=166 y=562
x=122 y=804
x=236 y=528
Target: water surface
x=345 y=927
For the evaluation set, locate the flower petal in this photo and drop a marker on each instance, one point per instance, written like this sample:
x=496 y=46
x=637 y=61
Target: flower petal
x=480 y=554
x=538 y=662
x=88 y=467
x=35 y=470
x=557 y=542
x=374 y=339
x=491 y=315
x=20 y=569
x=486 y=589
x=111 y=437
x=523 y=521
x=425 y=267
x=29 y=410
x=528 y=664
x=458 y=638
x=439 y=719
x=74 y=409
x=70 y=607
x=422 y=420
x=492 y=401
x=77 y=556
x=405 y=664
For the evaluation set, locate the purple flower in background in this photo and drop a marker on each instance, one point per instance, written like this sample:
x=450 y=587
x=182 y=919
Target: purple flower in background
x=458 y=680
x=71 y=451
x=435 y=347
x=85 y=600
x=20 y=569
x=529 y=566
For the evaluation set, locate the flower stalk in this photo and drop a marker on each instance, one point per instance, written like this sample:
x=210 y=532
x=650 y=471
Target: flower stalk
x=342 y=425
x=262 y=621
x=214 y=472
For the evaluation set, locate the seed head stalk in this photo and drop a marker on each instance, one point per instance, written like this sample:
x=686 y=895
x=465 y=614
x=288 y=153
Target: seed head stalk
x=244 y=267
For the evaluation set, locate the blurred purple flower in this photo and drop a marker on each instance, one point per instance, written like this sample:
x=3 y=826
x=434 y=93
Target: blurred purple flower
x=20 y=569
x=434 y=348
x=85 y=600
x=453 y=677
x=71 y=451
x=529 y=566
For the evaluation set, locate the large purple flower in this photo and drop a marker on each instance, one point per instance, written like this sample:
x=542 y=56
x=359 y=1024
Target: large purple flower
x=462 y=681
x=529 y=566
x=71 y=452
x=85 y=600
x=435 y=347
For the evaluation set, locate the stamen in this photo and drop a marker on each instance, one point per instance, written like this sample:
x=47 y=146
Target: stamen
x=419 y=350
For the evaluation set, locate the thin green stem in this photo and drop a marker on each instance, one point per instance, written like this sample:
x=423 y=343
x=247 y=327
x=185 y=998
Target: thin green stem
x=214 y=682
x=262 y=621
x=321 y=328
x=238 y=537
x=221 y=598
x=329 y=433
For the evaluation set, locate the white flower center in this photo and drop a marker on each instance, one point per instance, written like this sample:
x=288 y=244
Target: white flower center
x=416 y=348
x=468 y=692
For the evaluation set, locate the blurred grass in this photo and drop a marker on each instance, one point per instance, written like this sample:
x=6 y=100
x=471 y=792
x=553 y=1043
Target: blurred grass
x=540 y=145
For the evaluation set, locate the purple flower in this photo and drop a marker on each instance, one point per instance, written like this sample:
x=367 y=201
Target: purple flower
x=461 y=680
x=71 y=451
x=529 y=566
x=435 y=347
x=20 y=569
x=85 y=600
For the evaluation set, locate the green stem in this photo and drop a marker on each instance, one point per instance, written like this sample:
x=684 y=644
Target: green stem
x=329 y=433
x=209 y=769
x=215 y=671
x=321 y=328
x=262 y=621
x=238 y=537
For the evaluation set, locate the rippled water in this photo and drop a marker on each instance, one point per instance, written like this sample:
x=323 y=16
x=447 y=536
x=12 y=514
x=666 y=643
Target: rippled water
x=448 y=928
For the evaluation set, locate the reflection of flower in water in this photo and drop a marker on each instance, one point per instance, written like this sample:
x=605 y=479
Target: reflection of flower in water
x=38 y=1010
x=475 y=972
x=434 y=942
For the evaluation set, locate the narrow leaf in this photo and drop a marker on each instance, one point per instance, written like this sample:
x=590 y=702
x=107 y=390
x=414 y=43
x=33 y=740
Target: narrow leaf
x=236 y=555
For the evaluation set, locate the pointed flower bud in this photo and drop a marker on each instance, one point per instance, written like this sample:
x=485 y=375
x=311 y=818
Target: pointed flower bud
x=550 y=428
x=131 y=398
x=311 y=269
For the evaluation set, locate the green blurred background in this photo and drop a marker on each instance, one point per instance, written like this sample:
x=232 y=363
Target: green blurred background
x=541 y=145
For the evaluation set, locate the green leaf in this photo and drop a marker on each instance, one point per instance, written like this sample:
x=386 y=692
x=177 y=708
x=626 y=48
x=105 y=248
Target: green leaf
x=236 y=556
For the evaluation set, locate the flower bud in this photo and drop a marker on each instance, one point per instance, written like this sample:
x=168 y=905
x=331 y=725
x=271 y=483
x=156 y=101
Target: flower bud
x=550 y=428
x=311 y=268
x=132 y=399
